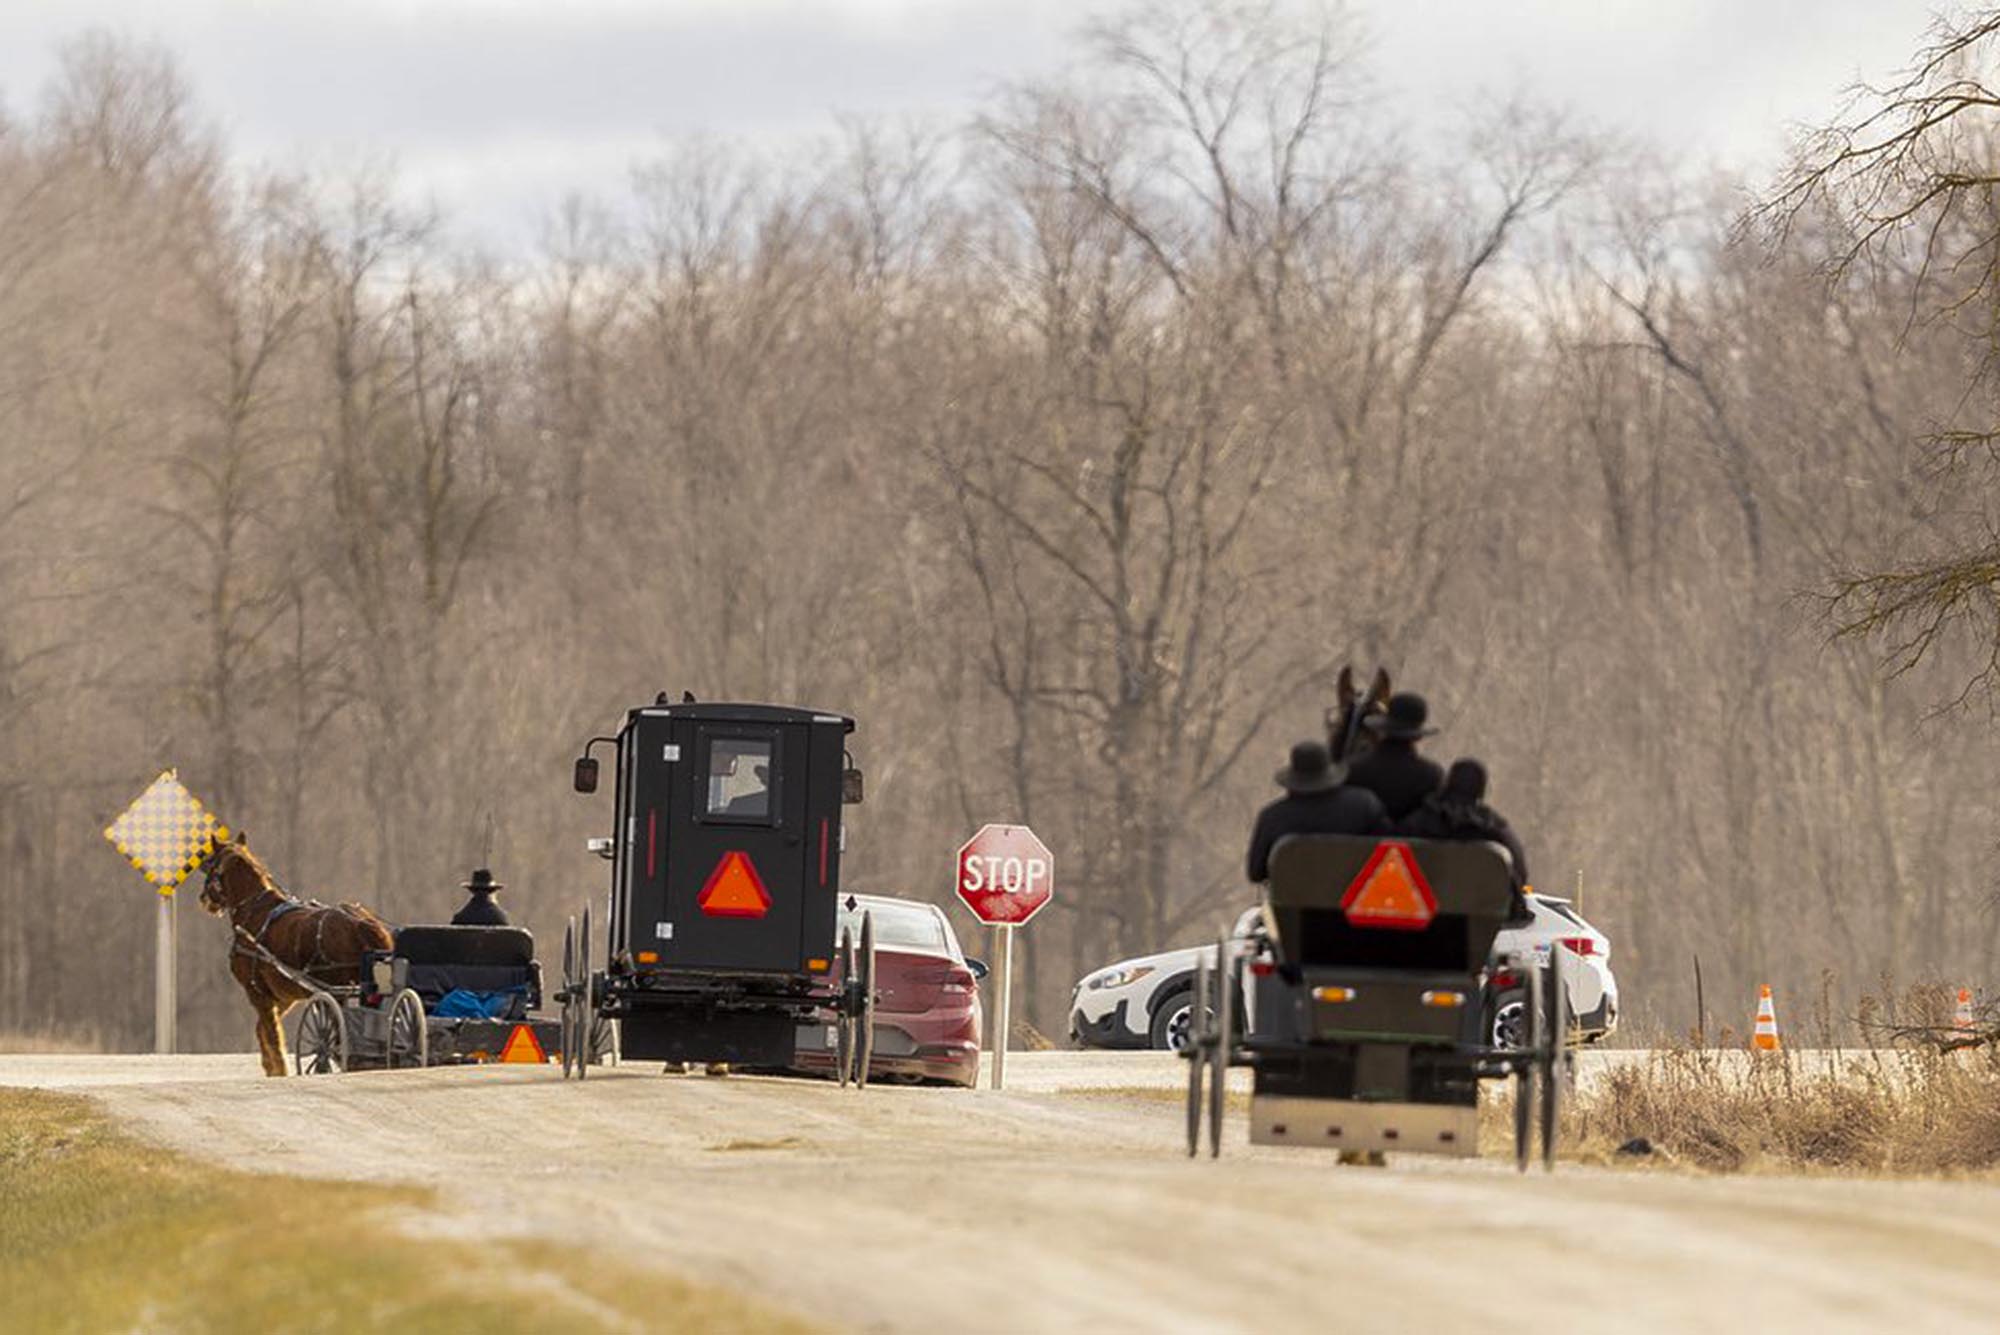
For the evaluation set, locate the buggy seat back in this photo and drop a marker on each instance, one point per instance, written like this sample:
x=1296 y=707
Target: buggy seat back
x=477 y=959
x=1470 y=883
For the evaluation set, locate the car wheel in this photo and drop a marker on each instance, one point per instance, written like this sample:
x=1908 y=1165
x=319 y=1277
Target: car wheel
x=1508 y=1027
x=1172 y=1021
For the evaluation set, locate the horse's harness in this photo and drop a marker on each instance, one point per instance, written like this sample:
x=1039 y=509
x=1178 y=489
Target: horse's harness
x=280 y=903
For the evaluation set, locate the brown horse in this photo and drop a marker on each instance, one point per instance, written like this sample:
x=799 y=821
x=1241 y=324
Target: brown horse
x=1346 y=739
x=318 y=942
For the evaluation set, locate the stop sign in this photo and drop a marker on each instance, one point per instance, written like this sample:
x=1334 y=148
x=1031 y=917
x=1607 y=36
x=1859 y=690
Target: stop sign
x=1005 y=874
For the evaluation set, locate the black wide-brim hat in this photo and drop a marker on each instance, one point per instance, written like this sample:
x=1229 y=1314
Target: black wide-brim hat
x=482 y=881
x=1404 y=721
x=1312 y=770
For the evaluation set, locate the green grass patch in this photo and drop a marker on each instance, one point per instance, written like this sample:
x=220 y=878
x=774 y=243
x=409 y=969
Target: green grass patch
x=99 y=1232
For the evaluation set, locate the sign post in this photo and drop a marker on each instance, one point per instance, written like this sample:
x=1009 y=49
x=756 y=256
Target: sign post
x=166 y=833
x=1003 y=1020
x=1005 y=876
x=165 y=984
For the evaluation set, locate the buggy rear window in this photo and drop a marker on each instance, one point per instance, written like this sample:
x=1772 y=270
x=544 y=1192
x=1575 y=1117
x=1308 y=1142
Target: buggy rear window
x=740 y=778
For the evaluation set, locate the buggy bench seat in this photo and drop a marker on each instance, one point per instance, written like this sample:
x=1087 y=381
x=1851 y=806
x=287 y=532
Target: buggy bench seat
x=438 y=960
x=1382 y=973
x=1471 y=882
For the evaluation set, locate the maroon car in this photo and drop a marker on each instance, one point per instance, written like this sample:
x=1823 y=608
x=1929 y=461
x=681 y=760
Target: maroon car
x=927 y=1017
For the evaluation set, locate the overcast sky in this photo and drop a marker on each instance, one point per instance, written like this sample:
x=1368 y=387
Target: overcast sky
x=496 y=108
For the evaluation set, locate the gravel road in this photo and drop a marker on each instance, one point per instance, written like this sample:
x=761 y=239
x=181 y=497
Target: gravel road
x=1052 y=1207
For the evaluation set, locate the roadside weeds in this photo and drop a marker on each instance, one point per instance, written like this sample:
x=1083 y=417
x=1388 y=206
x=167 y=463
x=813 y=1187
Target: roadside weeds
x=1912 y=1112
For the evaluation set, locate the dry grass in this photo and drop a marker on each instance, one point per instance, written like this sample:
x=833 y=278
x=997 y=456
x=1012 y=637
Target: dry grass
x=741 y=1146
x=1234 y=1101
x=1907 y=1112
x=100 y=1232
x=52 y=1041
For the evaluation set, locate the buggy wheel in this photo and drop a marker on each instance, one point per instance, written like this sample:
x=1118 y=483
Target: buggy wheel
x=321 y=1047
x=864 y=1020
x=1524 y=1073
x=1197 y=1057
x=571 y=1044
x=843 y=1017
x=1221 y=1041
x=586 y=987
x=1555 y=1050
x=409 y=1037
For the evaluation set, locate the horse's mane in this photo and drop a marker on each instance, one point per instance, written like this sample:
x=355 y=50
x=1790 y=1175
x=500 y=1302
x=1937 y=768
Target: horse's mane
x=242 y=853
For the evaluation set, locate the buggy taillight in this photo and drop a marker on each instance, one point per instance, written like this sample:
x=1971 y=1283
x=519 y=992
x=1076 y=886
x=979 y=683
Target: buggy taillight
x=1262 y=968
x=1582 y=945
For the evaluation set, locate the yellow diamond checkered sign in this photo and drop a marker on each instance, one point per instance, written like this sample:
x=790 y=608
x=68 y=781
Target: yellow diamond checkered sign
x=166 y=833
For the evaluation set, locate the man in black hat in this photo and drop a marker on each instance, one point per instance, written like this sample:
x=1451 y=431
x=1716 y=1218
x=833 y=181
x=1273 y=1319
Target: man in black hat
x=1315 y=802
x=480 y=910
x=1392 y=769
x=1460 y=812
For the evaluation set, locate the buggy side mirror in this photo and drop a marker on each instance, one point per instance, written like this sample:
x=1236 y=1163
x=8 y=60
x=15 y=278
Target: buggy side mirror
x=850 y=787
x=586 y=774
x=978 y=968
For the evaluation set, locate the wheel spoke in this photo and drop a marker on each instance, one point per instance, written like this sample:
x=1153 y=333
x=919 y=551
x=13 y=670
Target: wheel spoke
x=864 y=1036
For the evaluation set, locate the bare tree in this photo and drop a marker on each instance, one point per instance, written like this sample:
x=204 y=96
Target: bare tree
x=1904 y=181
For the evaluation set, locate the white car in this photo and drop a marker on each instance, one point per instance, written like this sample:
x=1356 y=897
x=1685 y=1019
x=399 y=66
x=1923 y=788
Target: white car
x=1147 y=1002
x=1593 y=990
x=1144 y=1002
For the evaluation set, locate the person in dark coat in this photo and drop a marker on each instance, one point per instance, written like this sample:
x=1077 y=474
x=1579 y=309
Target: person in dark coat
x=1392 y=769
x=754 y=801
x=1460 y=812
x=1316 y=801
x=479 y=909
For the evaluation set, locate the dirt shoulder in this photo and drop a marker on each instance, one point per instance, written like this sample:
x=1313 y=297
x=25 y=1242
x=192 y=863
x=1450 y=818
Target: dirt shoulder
x=917 y=1209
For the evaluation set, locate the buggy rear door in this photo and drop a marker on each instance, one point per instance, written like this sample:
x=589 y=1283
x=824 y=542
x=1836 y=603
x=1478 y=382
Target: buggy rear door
x=735 y=853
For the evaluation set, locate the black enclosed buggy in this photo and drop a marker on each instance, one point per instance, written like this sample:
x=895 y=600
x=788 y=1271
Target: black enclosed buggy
x=725 y=885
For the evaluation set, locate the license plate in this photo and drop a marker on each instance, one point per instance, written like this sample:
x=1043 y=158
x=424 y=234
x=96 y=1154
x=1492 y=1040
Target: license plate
x=832 y=1036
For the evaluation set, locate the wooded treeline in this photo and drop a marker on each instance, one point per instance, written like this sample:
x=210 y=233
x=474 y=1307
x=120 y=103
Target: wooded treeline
x=1072 y=451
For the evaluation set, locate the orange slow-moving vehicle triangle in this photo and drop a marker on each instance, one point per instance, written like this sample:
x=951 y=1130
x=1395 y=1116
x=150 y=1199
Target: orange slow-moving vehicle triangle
x=523 y=1046
x=1390 y=891
x=734 y=890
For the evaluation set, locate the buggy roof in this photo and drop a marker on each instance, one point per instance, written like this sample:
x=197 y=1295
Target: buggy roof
x=707 y=712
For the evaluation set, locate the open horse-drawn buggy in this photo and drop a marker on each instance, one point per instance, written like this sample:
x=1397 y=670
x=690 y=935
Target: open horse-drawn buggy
x=441 y=995
x=1360 y=1002
x=376 y=996
x=725 y=888
x=1360 y=990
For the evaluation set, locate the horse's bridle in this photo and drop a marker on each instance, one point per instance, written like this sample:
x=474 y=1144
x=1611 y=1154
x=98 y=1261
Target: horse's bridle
x=210 y=869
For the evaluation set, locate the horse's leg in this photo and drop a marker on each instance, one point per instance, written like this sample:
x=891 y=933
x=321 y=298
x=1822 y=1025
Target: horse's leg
x=272 y=1054
x=282 y=1000
x=270 y=1034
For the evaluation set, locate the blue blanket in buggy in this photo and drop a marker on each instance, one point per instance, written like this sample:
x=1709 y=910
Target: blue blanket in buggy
x=463 y=1004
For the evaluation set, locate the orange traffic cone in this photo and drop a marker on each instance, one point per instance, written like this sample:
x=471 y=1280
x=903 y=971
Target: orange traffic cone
x=1962 y=1020
x=1766 y=1037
